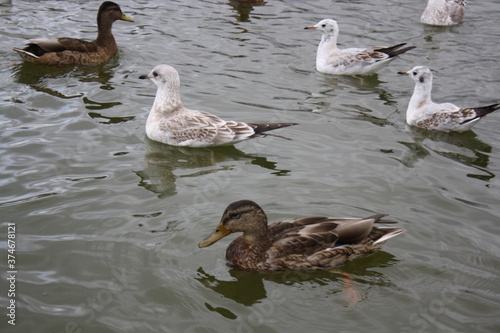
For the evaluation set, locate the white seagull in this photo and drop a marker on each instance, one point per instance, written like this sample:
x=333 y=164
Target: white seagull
x=423 y=112
x=443 y=12
x=353 y=61
x=171 y=123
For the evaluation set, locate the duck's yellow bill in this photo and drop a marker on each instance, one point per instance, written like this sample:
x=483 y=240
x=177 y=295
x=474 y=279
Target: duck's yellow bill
x=220 y=232
x=126 y=18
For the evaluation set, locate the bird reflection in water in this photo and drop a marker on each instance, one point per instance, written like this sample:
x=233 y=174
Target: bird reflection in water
x=167 y=163
x=40 y=77
x=245 y=7
x=350 y=281
x=465 y=148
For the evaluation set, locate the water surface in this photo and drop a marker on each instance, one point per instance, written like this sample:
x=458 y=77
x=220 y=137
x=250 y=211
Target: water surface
x=108 y=222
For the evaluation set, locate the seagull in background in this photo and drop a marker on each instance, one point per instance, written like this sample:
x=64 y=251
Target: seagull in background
x=423 y=112
x=352 y=61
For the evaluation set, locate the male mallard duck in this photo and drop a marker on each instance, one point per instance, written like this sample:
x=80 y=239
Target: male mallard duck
x=171 y=123
x=352 y=61
x=423 y=112
x=302 y=243
x=72 y=51
x=443 y=12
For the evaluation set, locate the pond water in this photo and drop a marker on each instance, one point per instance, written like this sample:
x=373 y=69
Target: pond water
x=108 y=222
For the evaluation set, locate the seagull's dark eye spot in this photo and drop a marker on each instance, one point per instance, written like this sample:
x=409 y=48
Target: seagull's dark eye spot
x=155 y=74
x=323 y=25
x=414 y=73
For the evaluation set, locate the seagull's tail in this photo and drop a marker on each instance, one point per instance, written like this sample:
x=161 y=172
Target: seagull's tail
x=395 y=50
x=260 y=128
x=484 y=110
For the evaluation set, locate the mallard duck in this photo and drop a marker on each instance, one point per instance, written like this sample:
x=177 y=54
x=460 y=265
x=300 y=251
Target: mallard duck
x=423 y=112
x=171 y=123
x=443 y=12
x=301 y=243
x=72 y=51
x=352 y=61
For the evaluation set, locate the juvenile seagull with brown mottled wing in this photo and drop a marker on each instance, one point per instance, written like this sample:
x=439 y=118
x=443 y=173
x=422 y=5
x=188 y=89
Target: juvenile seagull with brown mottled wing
x=443 y=12
x=423 y=112
x=171 y=123
x=352 y=61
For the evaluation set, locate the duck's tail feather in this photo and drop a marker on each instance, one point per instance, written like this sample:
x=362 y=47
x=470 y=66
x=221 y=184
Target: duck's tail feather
x=26 y=55
x=390 y=232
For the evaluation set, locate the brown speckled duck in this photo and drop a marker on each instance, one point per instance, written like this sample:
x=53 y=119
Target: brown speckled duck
x=72 y=51
x=302 y=243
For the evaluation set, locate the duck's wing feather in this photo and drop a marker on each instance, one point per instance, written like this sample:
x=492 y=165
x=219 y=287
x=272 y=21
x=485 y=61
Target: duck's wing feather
x=319 y=242
x=59 y=45
x=305 y=242
x=277 y=228
x=312 y=234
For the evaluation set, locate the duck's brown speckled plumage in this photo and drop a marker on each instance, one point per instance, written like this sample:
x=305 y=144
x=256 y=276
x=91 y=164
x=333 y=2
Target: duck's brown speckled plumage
x=303 y=243
x=72 y=51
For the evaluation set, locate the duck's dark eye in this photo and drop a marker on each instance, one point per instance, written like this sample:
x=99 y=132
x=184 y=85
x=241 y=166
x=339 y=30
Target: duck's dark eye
x=155 y=74
x=234 y=215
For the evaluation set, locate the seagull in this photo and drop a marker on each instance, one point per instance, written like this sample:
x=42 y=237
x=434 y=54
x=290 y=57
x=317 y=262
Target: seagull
x=443 y=12
x=171 y=123
x=423 y=112
x=353 y=61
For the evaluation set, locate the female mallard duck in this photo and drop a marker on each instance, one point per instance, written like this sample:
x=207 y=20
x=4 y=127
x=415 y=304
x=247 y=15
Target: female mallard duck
x=302 y=243
x=72 y=51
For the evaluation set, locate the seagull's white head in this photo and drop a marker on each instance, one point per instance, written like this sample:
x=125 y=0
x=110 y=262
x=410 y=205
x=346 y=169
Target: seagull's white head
x=327 y=26
x=163 y=75
x=419 y=74
x=168 y=95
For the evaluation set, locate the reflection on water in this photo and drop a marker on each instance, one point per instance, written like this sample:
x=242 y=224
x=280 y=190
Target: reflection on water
x=109 y=120
x=360 y=86
x=471 y=150
x=36 y=76
x=168 y=163
x=248 y=287
x=245 y=7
